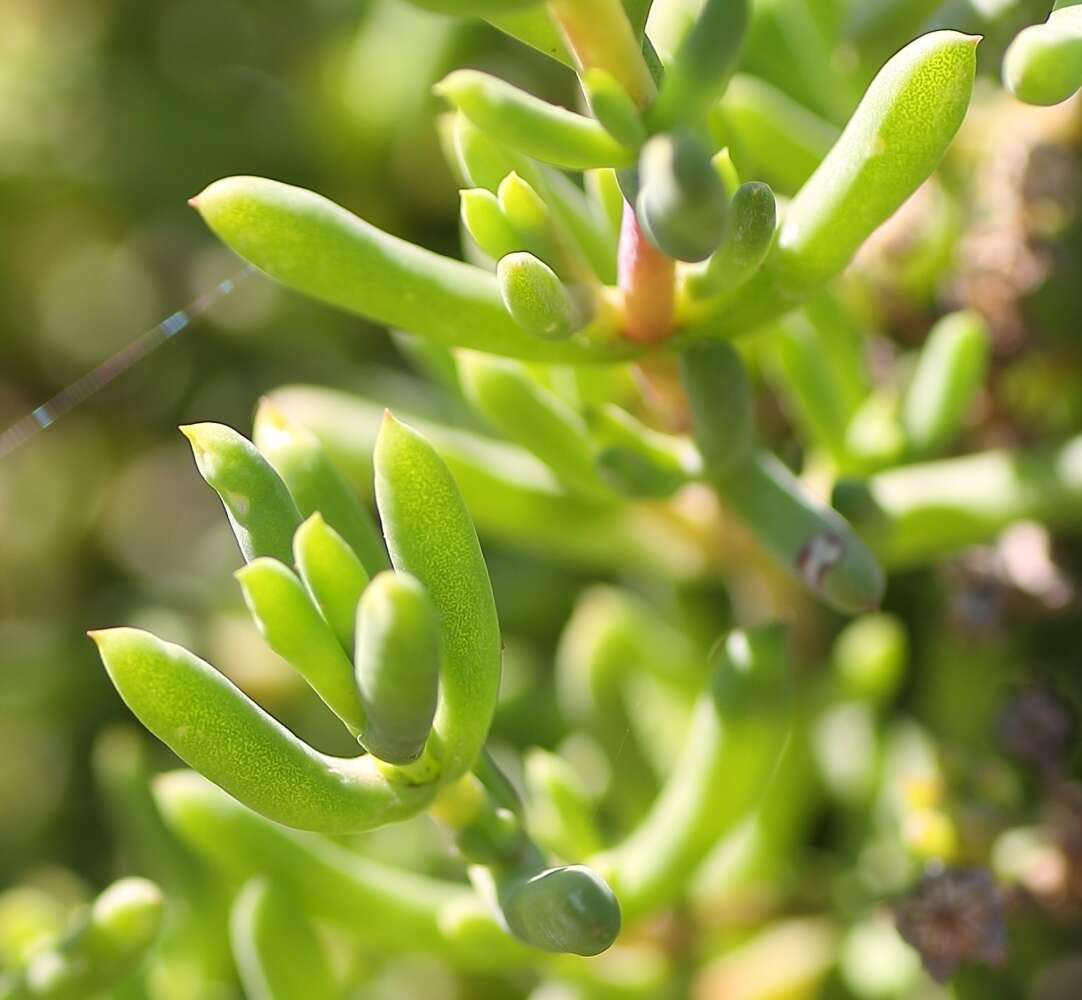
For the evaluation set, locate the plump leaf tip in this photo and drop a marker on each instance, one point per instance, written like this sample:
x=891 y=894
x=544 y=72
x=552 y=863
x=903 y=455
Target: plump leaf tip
x=1043 y=65
x=682 y=201
x=131 y=909
x=535 y=297
x=261 y=510
x=891 y=145
x=98 y=951
x=569 y=909
x=397 y=663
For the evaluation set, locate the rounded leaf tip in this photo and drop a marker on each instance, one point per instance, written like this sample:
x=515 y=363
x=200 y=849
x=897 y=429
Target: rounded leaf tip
x=569 y=909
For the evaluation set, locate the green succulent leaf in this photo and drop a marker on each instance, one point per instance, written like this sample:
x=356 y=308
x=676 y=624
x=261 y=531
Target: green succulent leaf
x=562 y=815
x=916 y=513
x=527 y=124
x=333 y=575
x=614 y=108
x=296 y=631
x=810 y=540
x=568 y=910
x=638 y=461
x=771 y=134
x=275 y=947
x=487 y=225
x=393 y=909
x=215 y=728
x=749 y=234
x=473 y=8
x=682 y=203
x=700 y=68
x=535 y=27
x=950 y=371
x=1044 y=63
x=99 y=952
x=535 y=297
x=892 y=144
x=313 y=246
x=736 y=736
x=316 y=485
x=602 y=36
x=261 y=510
x=431 y=536
x=397 y=663
x=722 y=405
x=529 y=414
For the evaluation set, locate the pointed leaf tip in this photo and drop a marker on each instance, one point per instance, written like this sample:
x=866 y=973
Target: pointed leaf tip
x=196 y=435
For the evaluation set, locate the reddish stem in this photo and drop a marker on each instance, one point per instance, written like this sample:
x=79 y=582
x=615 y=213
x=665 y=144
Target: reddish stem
x=648 y=281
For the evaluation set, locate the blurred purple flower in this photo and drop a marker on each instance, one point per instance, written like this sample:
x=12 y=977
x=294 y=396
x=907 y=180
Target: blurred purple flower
x=954 y=916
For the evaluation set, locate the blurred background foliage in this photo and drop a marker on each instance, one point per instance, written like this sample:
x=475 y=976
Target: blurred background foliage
x=113 y=113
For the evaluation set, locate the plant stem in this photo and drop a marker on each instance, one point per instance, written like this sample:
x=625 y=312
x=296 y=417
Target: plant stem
x=648 y=282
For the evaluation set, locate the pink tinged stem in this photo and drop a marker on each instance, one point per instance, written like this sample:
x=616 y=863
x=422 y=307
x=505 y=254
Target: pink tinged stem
x=648 y=282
